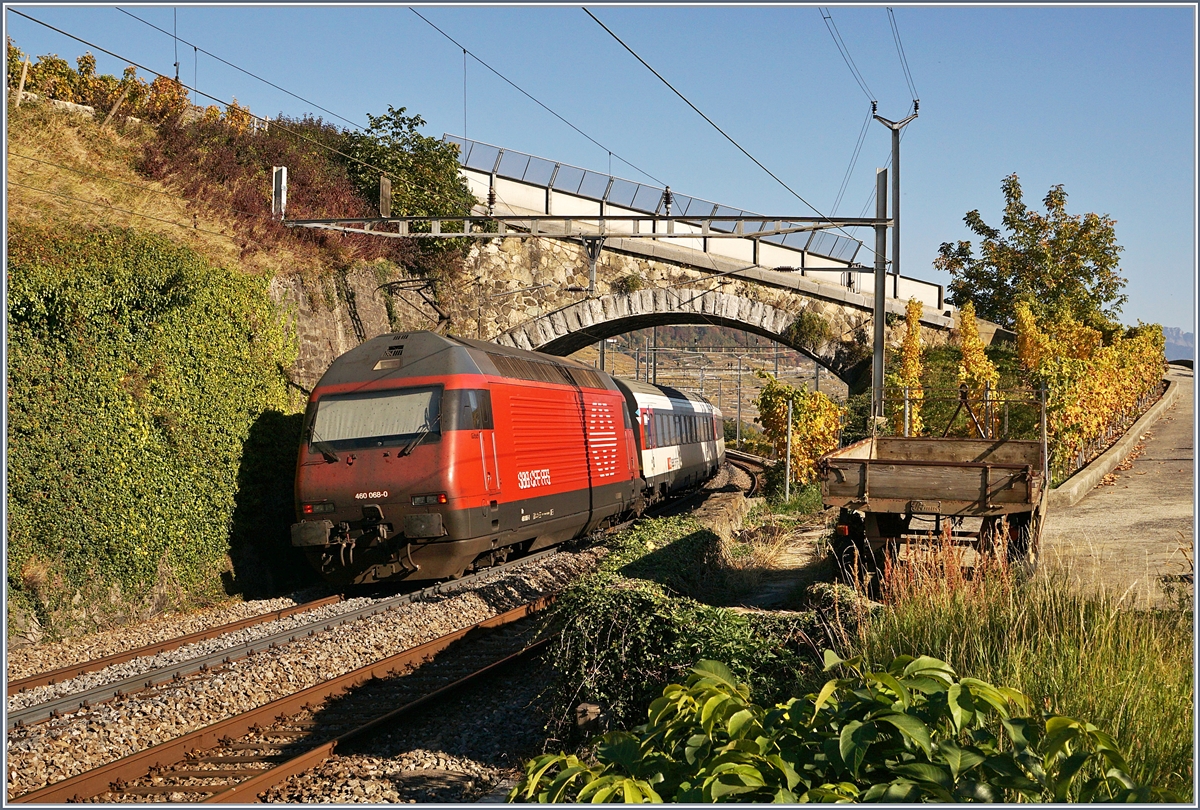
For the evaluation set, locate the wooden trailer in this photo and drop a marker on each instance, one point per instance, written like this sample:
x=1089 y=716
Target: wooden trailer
x=990 y=493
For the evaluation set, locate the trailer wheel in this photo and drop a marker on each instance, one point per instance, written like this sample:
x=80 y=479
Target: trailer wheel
x=1024 y=540
x=850 y=548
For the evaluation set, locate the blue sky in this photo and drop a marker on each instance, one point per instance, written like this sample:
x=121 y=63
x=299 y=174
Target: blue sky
x=1100 y=99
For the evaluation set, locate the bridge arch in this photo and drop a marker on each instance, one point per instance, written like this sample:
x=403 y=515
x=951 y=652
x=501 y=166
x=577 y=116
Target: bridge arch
x=843 y=348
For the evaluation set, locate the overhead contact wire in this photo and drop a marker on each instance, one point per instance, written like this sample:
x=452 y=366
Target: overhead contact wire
x=121 y=210
x=299 y=135
x=862 y=136
x=243 y=70
x=844 y=50
x=712 y=123
x=520 y=90
x=900 y=52
x=140 y=186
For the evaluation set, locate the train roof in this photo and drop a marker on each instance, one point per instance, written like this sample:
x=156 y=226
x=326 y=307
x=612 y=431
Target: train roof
x=639 y=387
x=424 y=354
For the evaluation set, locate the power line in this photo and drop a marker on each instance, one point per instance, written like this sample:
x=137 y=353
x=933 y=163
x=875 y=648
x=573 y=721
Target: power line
x=300 y=135
x=862 y=136
x=243 y=70
x=121 y=210
x=900 y=51
x=718 y=129
x=831 y=26
x=527 y=95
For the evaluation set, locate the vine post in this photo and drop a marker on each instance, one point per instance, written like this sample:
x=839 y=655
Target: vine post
x=787 y=480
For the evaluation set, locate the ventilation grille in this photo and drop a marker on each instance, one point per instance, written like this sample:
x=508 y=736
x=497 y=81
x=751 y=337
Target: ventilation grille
x=540 y=371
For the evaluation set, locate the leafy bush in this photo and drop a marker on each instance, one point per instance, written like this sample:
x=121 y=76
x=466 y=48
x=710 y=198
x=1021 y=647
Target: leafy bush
x=135 y=372
x=816 y=423
x=1093 y=390
x=912 y=732
x=631 y=627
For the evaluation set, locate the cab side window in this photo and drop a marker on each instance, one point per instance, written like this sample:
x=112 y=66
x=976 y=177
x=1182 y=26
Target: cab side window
x=469 y=409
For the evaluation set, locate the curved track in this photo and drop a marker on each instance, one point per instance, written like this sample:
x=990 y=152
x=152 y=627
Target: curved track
x=754 y=466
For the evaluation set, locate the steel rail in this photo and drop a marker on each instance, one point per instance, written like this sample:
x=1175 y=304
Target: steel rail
x=74 y=670
x=249 y=790
x=100 y=694
x=103 y=778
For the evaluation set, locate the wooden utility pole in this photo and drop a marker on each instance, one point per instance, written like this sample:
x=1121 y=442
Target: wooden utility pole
x=115 y=107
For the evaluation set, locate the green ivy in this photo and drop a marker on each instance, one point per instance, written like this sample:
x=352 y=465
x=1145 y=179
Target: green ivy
x=136 y=371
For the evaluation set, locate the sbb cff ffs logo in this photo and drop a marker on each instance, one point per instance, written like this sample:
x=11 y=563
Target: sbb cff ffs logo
x=533 y=478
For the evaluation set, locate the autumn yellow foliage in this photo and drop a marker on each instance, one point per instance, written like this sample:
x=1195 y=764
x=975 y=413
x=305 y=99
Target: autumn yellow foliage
x=1090 y=387
x=816 y=422
x=909 y=377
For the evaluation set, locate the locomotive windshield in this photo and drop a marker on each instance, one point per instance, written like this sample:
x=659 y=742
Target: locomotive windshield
x=375 y=419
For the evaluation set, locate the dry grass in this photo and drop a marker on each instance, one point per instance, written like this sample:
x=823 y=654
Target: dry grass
x=79 y=143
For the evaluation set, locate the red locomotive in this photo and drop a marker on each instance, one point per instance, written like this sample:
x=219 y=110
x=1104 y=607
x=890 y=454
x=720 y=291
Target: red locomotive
x=425 y=456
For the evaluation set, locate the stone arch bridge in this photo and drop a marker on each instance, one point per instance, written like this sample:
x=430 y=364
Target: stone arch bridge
x=829 y=321
x=827 y=336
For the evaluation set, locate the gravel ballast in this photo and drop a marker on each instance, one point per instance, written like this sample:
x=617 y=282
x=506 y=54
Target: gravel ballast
x=33 y=659
x=48 y=752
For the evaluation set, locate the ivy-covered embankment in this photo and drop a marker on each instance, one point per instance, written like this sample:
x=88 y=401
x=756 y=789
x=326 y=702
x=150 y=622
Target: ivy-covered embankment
x=150 y=432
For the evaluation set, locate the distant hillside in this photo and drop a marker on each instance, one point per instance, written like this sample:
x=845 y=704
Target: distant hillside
x=1180 y=345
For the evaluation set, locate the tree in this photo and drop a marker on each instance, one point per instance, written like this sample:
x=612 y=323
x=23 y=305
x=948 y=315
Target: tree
x=816 y=421
x=425 y=178
x=1059 y=264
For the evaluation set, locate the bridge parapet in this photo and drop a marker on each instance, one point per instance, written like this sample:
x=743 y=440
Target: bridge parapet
x=527 y=184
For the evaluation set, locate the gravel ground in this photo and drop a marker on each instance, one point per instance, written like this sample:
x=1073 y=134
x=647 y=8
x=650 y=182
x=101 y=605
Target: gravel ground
x=32 y=659
x=116 y=672
x=473 y=743
x=48 y=752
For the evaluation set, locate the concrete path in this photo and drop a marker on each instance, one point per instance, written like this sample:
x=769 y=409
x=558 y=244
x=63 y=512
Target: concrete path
x=1135 y=534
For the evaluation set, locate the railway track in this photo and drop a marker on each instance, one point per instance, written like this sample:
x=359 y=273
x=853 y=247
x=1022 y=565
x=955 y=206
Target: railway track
x=89 y=697
x=754 y=466
x=241 y=764
x=240 y=757
x=96 y=664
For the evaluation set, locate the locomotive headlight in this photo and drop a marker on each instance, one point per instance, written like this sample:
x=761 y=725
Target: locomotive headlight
x=424 y=500
x=316 y=508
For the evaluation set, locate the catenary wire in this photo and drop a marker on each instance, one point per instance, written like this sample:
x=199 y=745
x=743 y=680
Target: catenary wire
x=862 y=136
x=831 y=26
x=300 y=135
x=740 y=148
x=900 y=51
x=531 y=98
x=243 y=70
x=122 y=210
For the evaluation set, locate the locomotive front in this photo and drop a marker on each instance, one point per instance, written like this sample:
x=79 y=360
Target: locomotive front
x=377 y=489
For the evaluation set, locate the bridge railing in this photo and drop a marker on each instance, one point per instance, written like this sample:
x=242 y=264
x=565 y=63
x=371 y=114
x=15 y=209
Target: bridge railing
x=528 y=183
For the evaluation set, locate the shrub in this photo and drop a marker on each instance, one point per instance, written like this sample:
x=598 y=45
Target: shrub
x=816 y=422
x=912 y=732
x=630 y=627
x=135 y=372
